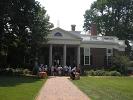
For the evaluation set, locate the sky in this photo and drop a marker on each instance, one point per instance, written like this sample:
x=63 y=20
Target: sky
x=64 y=13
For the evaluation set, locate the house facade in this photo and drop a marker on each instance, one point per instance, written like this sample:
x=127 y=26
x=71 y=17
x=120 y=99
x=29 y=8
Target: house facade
x=72 y=48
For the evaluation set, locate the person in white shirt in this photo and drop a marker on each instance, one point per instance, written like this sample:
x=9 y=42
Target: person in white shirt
x=69 y=70
x=52 y=70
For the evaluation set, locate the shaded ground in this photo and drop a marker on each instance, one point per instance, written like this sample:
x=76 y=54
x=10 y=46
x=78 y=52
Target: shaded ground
x=9 y=81
x=19 y=87
x=60 y=88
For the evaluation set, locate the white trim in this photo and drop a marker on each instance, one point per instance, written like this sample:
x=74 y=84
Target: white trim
x=59 y=41
x=87 y=55
x=109 y=54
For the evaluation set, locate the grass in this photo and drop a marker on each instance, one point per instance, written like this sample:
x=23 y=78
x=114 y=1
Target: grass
x=19 y=88
x=106 y=88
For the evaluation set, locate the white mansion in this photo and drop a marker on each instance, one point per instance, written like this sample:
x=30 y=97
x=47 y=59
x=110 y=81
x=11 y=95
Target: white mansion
x=72 y=48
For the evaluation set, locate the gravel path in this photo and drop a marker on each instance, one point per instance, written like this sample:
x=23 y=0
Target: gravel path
x=60 y=88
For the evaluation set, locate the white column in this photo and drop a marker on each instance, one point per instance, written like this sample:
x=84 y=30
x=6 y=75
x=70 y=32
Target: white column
x=78 y=55
x=50 y=55
x=64 y=55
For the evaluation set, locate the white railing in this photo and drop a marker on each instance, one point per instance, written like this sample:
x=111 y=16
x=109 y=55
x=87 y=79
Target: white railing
x=86 y=37
x=103 y=38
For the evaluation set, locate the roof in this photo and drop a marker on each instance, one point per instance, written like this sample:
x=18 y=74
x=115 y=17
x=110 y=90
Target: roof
x=86 y=38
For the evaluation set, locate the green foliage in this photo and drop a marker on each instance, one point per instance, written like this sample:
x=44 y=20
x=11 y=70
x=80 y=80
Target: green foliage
x=91 y=73
x=96 y=73
x=9 y=72
x=103 y=73
x=16 y=72
x=35 y=70
x=112 y=17
x=107 y=73
x=99 y=72
x=24 y=26
x=130 y=64
x=26 y=71
x=121 y=63
x=115 y=73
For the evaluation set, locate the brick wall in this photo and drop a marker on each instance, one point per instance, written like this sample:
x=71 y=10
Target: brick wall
x=98 y=56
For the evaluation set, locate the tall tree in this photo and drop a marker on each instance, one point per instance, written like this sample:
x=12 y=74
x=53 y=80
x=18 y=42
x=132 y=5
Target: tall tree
x=23 y=25
x=113 y=17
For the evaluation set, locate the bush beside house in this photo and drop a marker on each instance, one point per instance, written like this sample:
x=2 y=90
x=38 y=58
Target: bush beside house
x=102 y=73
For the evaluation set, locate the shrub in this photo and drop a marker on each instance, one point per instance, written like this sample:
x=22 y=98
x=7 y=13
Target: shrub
x=90 y=73
x=96 y=73
x=115 y=73
x=107 y=73
x=131 y=64
x=35 y=70
x=99 y=73
x=11 y=71
x=85 y=73
x=7 y=71
x=26 y=71
x=122 y=62
x=103 y=73
x=18 y=71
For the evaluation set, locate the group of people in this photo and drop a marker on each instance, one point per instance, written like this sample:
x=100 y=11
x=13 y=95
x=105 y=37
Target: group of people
x=58 y=70
x=74 y=72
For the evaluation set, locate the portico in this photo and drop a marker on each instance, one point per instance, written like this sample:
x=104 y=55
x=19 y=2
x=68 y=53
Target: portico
x=65 y=54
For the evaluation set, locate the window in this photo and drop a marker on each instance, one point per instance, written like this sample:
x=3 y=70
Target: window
x=109 y=50
x=109 y=57
x=58 y=34
x=86 y=56
x=109 y=60
x=87 y=60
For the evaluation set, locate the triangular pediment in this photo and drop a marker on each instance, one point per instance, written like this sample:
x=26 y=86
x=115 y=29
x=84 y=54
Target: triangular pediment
x=62 y=34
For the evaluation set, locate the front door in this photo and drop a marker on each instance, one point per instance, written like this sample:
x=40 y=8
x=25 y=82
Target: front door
x=57 y=56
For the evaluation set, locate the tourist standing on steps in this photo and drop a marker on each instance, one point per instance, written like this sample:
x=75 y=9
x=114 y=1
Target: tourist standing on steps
x=66 y=70
x=69 y=70
x=59 y=70
x=52 y=70
x=55 y=70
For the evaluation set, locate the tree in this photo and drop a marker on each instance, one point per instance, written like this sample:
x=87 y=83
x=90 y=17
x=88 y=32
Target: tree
x=23 y=25
x=41 y=27
x=112 y=18
x=121 y=62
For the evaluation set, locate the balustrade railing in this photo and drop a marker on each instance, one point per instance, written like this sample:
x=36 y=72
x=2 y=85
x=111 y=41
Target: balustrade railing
x=103 y=38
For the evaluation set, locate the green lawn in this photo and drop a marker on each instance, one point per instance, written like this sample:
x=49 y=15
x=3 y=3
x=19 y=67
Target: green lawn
x=106 y=88
x=19 y=88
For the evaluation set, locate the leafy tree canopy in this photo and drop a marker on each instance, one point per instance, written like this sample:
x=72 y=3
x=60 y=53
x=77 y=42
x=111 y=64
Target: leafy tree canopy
x=24 y=25
x=112 y=18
